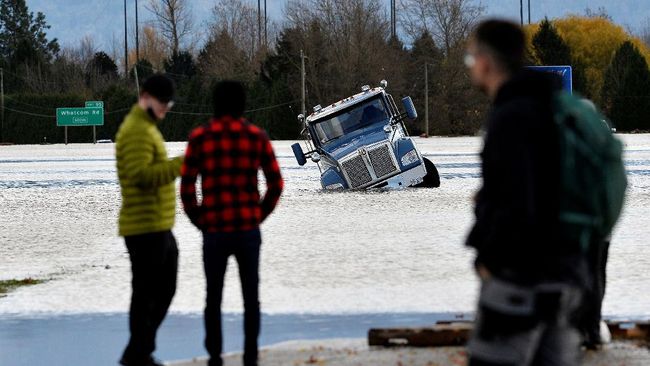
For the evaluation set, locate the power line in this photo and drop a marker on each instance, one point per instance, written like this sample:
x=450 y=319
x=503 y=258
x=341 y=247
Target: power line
x=271 y=107
x=171 y=112
x=54 y=116
x=25 y=103
x=29 y=113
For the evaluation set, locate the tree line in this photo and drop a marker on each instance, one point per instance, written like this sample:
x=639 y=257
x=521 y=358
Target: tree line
x=346 y=43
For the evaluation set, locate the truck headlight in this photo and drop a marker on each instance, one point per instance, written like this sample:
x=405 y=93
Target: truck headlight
x=334 y=186
x=410 y=157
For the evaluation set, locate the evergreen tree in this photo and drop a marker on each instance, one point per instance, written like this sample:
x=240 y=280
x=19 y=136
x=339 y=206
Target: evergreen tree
x=424 y=52
x=102 y=64
x=551 y=49
x=145 y=69
x=626 y=89
x=22 y=35
x=180 y=66
x=279 y=72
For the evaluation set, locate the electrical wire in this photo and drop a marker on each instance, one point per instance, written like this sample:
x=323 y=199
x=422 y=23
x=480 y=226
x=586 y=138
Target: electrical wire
x=171 y=112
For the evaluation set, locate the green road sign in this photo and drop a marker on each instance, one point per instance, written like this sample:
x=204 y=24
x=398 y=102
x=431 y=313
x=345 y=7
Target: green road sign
x=80 y=116
x=95 y=104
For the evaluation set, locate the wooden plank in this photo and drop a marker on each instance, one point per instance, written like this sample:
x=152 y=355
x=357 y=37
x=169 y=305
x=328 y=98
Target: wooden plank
x=441 y=334
x=630 y=330
x=458 y=333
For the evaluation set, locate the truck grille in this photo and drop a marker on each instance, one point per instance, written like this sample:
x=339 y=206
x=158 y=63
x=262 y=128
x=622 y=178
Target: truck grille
x=382 y=161
x=357 y=171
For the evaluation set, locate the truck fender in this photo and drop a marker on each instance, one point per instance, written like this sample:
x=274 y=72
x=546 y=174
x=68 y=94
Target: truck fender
x=332 y=178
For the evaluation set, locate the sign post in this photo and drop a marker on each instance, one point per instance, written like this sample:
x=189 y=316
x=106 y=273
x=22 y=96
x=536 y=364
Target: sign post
x=95 y=104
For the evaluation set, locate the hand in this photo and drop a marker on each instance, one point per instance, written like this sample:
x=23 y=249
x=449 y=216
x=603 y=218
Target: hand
x=483 y=272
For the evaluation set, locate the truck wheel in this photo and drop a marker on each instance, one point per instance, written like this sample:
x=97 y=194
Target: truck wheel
x=432 y=179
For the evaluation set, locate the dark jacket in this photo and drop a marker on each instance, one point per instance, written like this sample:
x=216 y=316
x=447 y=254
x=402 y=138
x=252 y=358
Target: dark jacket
x=517 y=206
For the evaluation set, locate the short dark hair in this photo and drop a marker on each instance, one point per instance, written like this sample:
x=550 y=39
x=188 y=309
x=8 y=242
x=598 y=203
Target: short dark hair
x=505 y=40
x=160 y=87
x=229 y=99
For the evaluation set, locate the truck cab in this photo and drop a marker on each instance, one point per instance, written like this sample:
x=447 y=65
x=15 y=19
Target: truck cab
x=361 y=142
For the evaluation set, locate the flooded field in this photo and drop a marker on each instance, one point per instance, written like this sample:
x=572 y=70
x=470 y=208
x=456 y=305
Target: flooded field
x=381 y=251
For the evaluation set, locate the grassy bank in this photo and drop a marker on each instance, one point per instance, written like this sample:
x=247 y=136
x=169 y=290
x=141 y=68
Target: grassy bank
x=8 y=285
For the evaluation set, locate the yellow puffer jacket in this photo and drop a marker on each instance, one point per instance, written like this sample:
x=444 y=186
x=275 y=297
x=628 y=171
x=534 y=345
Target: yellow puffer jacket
x=146 y=176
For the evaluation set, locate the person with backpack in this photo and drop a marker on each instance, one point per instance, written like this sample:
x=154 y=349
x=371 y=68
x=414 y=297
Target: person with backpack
x=529 y=234
x=228 y=152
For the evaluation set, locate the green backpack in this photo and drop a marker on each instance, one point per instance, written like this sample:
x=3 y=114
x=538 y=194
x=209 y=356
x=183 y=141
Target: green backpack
x=593 y=180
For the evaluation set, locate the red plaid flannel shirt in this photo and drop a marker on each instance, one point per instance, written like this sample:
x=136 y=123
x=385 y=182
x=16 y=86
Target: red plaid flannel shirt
x=227 y=153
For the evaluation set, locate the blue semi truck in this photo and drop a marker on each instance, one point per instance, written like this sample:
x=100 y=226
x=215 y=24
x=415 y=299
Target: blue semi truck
x=362 y=142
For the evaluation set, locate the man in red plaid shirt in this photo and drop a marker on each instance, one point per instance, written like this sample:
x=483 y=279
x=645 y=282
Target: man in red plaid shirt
x=228 y=153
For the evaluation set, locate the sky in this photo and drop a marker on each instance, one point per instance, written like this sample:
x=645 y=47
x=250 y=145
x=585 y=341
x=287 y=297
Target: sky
x=71 y=20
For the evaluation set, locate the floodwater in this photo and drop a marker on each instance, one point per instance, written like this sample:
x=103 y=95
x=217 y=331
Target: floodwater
x=378 y=251
x=324 y=253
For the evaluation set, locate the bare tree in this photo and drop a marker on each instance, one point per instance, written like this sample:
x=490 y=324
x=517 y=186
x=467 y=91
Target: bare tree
x=644 y=34
x=238 y=20
x=448 y=21
x=346 y=42
x=87 y=49
x=173 y=20
x=153 y=48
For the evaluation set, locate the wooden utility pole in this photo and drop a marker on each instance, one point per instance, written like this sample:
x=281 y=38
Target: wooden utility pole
x=521 y=12
x=2 y=105
x=393 y=19
x=426 y=99
x=126 y=46
x=528 y=11
x=266 y=34
x=302 y=83
x=259 y=24
x=137 y=34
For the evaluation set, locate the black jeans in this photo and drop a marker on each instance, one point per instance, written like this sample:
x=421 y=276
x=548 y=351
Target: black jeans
x=590 y=312
x=154 y=262
x=217 y=247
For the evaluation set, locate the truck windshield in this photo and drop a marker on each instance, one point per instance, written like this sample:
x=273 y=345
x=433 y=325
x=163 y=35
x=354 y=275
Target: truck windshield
x=359 y=116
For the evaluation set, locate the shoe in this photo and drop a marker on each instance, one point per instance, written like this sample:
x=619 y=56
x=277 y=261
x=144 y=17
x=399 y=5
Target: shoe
x=592 y=342
x=150 y=362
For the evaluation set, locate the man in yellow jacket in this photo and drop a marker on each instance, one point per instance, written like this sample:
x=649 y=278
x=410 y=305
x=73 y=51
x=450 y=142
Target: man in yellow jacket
x=147 y=177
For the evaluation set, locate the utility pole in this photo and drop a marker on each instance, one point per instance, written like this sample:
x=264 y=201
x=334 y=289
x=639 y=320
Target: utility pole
x=2 y=105
x=266 y=35
x=137 y=80
x=259 y=24
x=529 y=12
x=426 y=99
x=302 y=83
x=137 y=34
x=521 y=11
x=126 y=46
x=393 y=20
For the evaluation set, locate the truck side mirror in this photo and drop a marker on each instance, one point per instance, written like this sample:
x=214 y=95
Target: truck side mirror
x=411 y=113
x=300 y=156
x=301 y=118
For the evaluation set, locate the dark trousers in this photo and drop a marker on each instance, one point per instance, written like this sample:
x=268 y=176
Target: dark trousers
x=590 y=312
x=154 y=262
x=217 y=248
